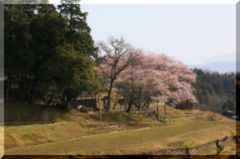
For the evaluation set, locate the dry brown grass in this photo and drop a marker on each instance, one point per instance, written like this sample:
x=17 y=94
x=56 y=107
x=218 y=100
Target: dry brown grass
x=171 y=112
x=40 y=133
x=1 y=141
x=134 y=141
x=179 y=130
x=210 y=116
x=73 y=124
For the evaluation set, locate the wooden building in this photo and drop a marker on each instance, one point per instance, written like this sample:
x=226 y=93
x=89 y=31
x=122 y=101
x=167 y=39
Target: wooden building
x=85 y=100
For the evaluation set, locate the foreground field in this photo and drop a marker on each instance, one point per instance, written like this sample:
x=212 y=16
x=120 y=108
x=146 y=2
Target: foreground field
x=1 y=141
x=118 y=133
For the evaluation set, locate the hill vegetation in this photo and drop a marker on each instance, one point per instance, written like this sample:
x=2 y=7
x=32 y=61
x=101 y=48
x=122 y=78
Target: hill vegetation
x=215 y=92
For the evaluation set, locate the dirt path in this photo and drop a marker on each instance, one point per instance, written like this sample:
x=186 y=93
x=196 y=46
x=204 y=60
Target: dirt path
x=107 y=142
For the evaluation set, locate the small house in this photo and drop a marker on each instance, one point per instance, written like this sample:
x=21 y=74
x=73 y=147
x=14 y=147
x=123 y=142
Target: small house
x=85 y=100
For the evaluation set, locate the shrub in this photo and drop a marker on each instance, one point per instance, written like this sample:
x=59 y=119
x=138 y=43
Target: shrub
x=184 y=105
x=122 y=117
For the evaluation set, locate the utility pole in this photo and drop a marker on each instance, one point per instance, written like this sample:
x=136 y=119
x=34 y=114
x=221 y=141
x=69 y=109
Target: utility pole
x=165 y=112
x=99 y=103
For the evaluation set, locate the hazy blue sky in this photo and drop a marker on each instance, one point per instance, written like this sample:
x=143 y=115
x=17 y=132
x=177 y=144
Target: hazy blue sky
x=194 y=34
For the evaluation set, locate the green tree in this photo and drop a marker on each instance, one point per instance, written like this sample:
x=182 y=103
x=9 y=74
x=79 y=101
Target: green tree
x=19 y=56
x=78 y=33
x=48 y=32
x=65 y=75
x=40 y=53
x=213 y=90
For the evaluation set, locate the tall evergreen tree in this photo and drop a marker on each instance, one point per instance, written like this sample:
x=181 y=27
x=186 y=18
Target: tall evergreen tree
x=78 y=33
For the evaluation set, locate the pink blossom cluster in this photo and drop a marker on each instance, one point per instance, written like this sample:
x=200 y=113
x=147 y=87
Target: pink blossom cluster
x=158 y=75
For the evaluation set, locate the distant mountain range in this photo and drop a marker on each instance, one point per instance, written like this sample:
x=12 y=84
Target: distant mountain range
x=221 y=67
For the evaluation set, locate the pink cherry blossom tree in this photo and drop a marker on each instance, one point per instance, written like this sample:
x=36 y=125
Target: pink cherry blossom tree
x=143 y=78
x=117 y=56
x=155 y=77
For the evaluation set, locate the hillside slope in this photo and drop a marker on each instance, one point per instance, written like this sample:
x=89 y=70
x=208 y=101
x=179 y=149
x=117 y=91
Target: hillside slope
x=117 y=133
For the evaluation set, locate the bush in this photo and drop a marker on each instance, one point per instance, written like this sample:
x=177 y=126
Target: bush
x=184 y=105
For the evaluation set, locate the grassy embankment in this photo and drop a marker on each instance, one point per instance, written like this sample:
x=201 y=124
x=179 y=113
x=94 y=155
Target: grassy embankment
x=117 y=133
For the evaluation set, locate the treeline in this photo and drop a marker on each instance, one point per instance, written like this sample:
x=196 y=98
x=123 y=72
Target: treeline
x=215 y=92
x=49 y=53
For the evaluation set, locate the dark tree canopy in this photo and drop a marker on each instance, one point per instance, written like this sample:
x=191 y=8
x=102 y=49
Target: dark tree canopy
x=49 y=52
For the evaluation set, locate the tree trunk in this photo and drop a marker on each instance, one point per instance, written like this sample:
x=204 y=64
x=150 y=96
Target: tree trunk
x=28 y=83
x=139 y=108
x=129 y=106
x=115 y=102
x=31 y=91
x=165 y=112
x=109 y=97
x=64 y=100
x=99 y=106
